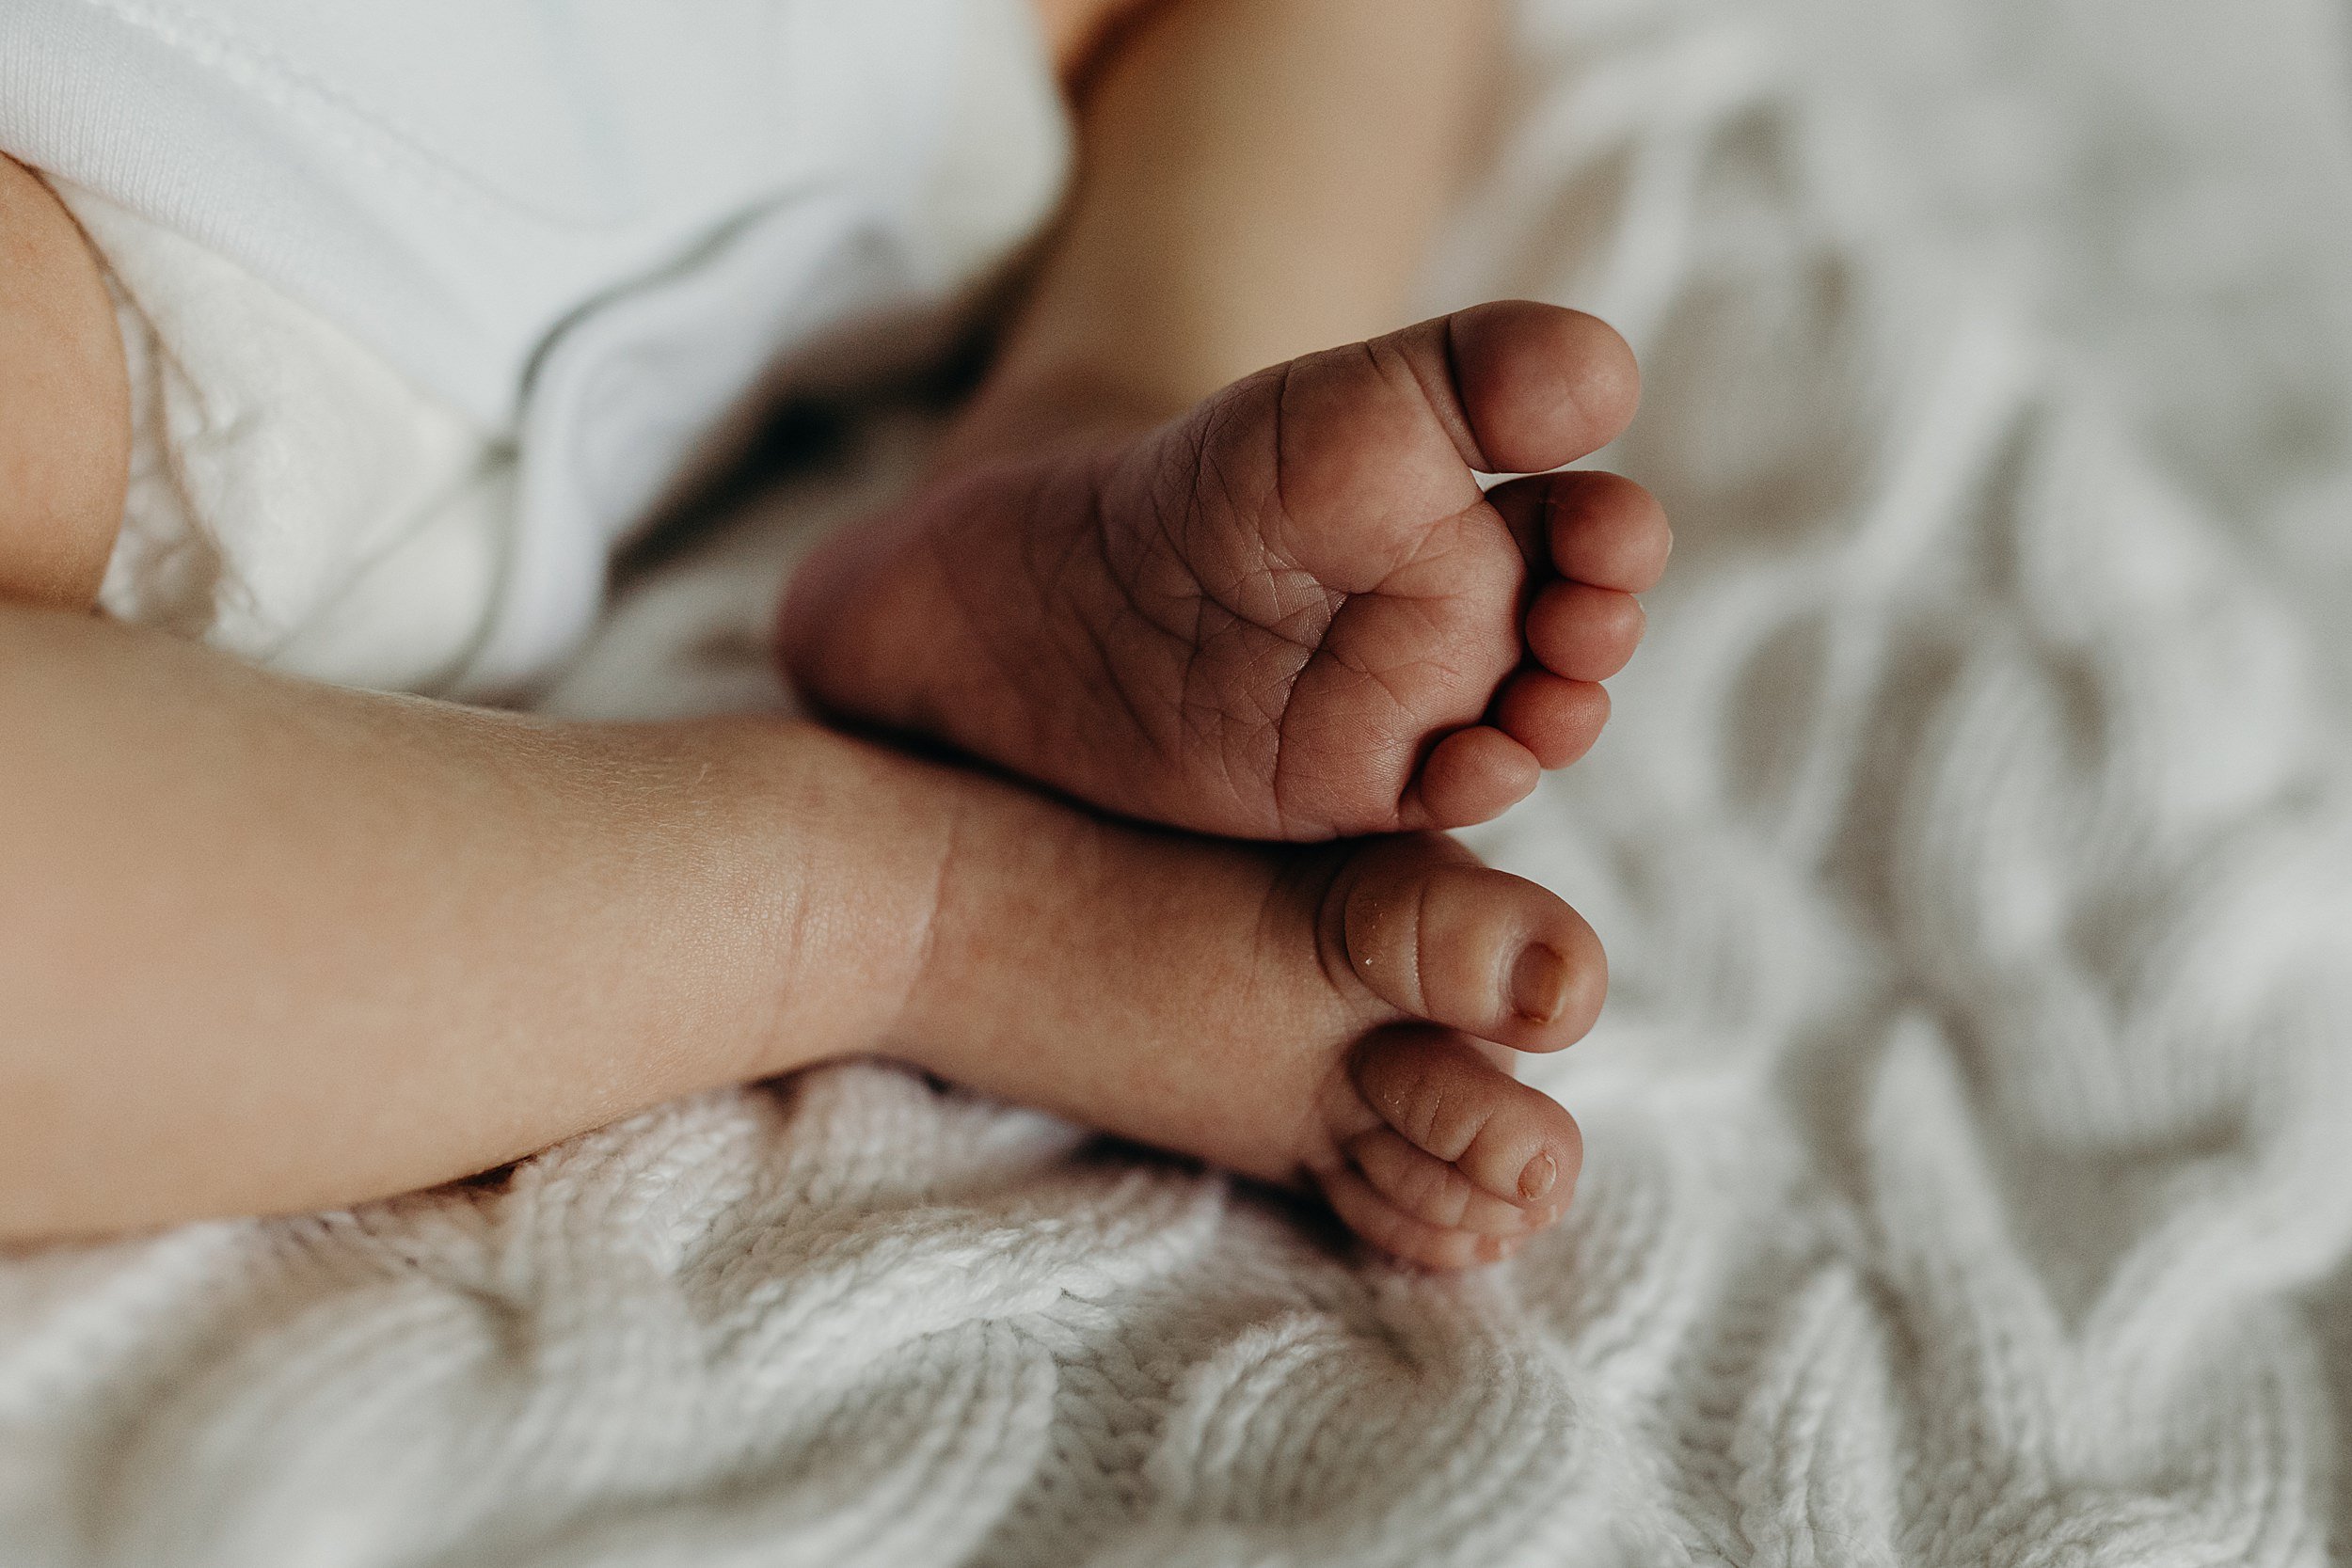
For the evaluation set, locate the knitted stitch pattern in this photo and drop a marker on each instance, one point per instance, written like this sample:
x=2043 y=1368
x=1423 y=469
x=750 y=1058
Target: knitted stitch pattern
x=1969 y=1180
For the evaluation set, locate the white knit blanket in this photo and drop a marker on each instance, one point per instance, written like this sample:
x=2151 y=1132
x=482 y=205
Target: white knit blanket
x=1970 y=1173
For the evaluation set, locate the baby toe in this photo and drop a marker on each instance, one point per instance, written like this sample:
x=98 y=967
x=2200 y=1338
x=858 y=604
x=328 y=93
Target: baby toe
x=1584 y=633
x=1437 y=936
x=1604 y=530
x=1471 y=776
x=1403 y=1236
x=1435 y=1192
x=1444 y=1098
x=1555 y=718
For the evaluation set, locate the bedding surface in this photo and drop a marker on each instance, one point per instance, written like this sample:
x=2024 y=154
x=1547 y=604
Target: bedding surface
x=1968 y=1176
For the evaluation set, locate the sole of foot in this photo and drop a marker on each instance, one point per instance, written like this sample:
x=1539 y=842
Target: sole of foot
x=1294 y=613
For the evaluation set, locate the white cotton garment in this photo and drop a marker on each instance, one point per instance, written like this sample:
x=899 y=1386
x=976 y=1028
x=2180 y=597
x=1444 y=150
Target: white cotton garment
x=428 y=302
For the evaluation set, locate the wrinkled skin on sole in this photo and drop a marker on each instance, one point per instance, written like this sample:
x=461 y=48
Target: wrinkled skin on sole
x=1293 y=613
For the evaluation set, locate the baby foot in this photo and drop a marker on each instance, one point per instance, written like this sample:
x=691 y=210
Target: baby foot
x=1289 y=615
x=1338 y=1018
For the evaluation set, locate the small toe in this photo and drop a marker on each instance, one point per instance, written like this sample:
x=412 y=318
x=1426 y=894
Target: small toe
x=1390 y=1230
x=1439 y=937
x=1605 y=530
x=1451 y=1102
x=1435 y=1192
x=1471 y=776
x=1582 y=633
x=1556 y=719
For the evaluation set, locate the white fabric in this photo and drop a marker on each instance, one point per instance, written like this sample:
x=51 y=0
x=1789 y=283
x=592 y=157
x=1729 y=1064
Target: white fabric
x=292 y=499
x=430 y=303
x=1967 y=1178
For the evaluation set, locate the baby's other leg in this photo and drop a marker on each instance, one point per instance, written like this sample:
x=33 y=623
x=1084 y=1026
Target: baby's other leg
x=65 y=403
x=1293 y=614
x=1257 y=178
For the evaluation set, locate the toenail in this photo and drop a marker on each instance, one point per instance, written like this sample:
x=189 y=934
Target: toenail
x=1537 y=1179
x=1540 y=983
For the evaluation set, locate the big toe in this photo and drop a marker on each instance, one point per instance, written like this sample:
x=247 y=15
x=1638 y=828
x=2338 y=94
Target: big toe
x=1534 y=386
x=1459 y=1162
x=1439 y=937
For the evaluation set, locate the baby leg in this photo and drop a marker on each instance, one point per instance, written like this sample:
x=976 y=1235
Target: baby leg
x=1257 y=178
x=1288 y=613
x=272 y=945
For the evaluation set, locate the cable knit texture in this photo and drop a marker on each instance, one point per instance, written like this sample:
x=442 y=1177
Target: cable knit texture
x=1968 y=1179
